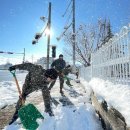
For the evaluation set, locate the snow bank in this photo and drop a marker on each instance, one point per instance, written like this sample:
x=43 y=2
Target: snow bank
x=8 y=93
x=117 y=96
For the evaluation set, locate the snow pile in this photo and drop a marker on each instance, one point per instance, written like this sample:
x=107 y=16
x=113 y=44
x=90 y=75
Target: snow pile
x=8 y=90
x=8 y=93
x=117 y=96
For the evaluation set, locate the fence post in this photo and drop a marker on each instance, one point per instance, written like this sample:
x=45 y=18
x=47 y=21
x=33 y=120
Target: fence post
x=128 y=35
x=91 y=65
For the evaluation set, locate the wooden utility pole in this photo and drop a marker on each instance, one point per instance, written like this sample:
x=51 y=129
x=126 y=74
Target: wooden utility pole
x=73 y=35
x=48 y=38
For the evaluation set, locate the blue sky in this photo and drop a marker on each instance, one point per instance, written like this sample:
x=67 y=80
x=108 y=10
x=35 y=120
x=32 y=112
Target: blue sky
x=20 y=21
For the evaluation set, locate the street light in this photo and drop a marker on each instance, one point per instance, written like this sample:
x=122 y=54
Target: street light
x=34 y=41
x=47 y=32
x=53 y=51
x=38 y=35
x=43 y=18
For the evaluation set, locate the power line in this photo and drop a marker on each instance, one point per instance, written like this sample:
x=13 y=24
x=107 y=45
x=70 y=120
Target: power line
x=73 y=26
x=67 y=21
x=62 y=34
x=66 y=26
x=67 y=8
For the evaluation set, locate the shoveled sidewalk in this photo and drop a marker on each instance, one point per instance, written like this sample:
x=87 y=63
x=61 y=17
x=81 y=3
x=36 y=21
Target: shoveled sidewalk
x=7 y=112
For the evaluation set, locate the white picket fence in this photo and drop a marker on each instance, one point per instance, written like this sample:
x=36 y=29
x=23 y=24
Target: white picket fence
x=111 y=61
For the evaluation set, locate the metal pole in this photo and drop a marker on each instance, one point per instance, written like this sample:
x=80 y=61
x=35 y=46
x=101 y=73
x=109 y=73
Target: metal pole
x=73 y=26
x=48 y=39
x=32 y=58
x=24 y=56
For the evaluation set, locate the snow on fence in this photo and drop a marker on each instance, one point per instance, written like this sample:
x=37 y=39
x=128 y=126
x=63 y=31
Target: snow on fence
x=85 y=73
x=112 y=60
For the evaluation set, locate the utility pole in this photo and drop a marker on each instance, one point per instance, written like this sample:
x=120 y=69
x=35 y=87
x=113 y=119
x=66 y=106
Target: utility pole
x=32 y=58
x=24 y=56
x=48 y=38
x=73 y=27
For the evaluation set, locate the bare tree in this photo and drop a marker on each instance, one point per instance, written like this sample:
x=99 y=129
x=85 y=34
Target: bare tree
x=85 y=38
x=104 y=32
x=89 y=38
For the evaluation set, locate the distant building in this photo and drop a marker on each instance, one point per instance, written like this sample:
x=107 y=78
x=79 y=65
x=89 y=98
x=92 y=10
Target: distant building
x=43 y=61
x=5 y=66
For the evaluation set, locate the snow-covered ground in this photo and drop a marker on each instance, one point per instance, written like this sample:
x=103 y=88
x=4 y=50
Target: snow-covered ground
x=117 y=96
x=8 y=91
x=65 y=118
x=81 y=116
